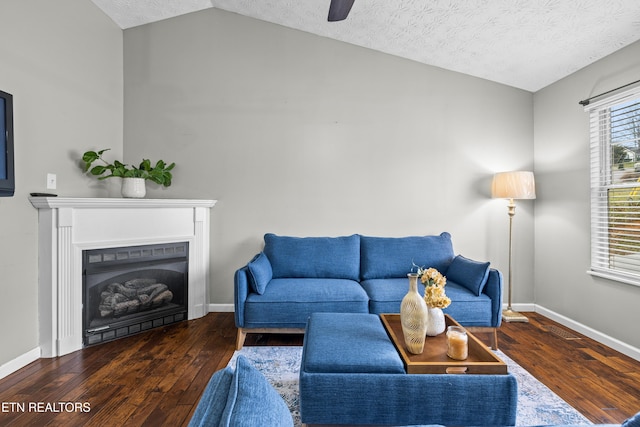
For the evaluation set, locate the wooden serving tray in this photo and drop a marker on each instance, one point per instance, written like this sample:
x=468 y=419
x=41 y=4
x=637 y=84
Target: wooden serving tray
x=434 y=359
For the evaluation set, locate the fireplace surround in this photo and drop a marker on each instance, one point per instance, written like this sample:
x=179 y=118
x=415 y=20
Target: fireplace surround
x=71 y=227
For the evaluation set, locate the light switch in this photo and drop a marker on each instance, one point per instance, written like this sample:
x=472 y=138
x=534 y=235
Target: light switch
x=51 y=181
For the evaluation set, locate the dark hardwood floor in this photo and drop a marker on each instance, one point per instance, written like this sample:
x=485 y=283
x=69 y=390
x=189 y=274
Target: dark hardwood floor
x=156 y=378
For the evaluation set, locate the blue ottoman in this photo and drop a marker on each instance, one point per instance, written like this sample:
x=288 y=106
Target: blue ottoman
x=351 y=373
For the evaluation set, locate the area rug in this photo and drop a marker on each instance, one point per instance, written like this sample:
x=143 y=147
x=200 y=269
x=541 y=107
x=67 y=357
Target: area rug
x=537 y=404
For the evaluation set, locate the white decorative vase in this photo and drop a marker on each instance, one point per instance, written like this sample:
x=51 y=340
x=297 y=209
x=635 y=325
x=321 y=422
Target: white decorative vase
x=435 y=321
x=413 y=317
x=133 y=188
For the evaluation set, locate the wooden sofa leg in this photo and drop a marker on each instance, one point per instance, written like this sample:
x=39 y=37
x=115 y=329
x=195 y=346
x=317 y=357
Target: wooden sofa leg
x=240 y=338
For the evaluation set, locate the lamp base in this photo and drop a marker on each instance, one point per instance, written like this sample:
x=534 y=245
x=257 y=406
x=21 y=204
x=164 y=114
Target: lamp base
x=513 y=316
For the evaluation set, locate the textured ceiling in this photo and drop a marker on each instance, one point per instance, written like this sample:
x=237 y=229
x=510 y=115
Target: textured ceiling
x=527 y=44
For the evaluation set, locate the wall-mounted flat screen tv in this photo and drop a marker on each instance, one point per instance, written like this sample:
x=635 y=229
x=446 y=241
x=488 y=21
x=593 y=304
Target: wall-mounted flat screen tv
x=7 y=177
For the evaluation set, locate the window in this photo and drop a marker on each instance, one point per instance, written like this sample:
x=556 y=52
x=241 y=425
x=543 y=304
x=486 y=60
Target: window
x=615 y=187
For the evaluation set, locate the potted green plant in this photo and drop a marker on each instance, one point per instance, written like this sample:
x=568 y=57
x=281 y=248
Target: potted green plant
x=133 y=183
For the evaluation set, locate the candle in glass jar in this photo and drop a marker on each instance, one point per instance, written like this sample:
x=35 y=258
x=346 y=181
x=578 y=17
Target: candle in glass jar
x=457 y=344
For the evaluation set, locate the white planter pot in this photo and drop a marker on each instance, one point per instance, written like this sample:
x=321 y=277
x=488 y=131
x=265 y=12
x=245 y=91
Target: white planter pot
x=133 y=188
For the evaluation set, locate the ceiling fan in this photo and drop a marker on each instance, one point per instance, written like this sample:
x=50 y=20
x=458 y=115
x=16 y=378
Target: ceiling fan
x=339 y=9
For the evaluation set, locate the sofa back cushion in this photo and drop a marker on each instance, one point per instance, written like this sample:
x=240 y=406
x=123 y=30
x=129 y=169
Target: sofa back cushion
x=387 y=257
x=313 y=257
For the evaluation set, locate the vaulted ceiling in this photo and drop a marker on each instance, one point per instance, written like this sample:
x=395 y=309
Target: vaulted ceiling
x=527 y=44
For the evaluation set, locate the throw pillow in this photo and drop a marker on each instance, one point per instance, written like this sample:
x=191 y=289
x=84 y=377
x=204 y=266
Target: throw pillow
x=213 y=400
x=468 y=273
x=260 y=272
x=633 y=421
x=253 y=401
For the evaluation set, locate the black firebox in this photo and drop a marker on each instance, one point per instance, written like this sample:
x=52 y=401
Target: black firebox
x=127 y=290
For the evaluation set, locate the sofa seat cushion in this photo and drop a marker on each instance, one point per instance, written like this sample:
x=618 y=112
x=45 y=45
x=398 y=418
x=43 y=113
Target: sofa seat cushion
x=287 y=303
x=313 y=257
x=349 y=343
x=385 y=296
x=388 y=257
x=467 y=308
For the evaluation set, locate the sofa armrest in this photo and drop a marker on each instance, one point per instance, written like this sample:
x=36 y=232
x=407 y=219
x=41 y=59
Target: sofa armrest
x=493 y=289
x=241 y=289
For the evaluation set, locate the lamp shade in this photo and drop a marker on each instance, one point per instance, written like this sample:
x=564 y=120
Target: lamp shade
x=513 y=185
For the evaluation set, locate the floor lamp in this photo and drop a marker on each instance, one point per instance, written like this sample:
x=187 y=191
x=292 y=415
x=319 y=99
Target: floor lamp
x=513 y=185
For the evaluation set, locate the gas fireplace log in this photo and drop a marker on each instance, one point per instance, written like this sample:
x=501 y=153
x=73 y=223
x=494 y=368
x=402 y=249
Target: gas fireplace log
x=139 y=283
x=111 y=299
x=127 y=307
x=159 y=290
x=119 y=288
x=109 y=303
x=135 y=295
x=151 y=292
x=163 y=298
x=105 y=311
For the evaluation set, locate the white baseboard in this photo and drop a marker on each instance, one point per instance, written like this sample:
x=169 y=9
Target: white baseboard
x=221 y=308
x=602 y=338
x=521 y=307
x=19 y=362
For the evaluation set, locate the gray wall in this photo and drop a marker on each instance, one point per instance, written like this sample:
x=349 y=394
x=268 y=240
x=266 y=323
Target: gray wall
x=62 y=61
x=301 y=135
x=562 y=220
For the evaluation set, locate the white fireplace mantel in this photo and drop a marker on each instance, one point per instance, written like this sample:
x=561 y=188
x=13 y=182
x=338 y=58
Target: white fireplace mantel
x=67 y=226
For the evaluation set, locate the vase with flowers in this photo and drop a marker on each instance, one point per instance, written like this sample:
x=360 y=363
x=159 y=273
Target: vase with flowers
x=435 y=299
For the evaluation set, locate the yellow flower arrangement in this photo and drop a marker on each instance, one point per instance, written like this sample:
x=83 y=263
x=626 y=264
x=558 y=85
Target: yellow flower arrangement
x=434 y=283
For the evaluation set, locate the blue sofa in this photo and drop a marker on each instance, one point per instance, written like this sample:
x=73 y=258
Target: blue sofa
x=296 y=276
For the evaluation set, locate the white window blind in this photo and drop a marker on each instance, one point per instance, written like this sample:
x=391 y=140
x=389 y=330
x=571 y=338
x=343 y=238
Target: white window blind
x=615 y=187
